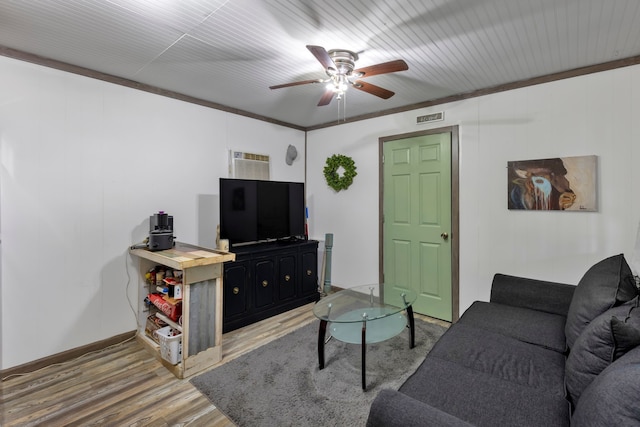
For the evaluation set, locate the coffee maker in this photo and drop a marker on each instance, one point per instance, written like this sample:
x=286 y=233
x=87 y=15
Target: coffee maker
x=160 y=232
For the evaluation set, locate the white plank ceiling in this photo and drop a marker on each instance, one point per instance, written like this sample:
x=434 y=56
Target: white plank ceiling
x=229 y=52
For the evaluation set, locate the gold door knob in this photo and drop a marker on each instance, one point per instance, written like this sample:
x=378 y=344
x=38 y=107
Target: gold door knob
x=236 y=290
x=444 y=235
x=265 y=283
x=309 y=272
x=287 y=278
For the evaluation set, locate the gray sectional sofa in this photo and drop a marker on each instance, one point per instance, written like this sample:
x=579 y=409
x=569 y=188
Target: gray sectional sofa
x=538 y=354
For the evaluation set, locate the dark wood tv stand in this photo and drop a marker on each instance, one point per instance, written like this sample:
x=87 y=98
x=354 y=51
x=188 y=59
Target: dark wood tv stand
x=268 y=279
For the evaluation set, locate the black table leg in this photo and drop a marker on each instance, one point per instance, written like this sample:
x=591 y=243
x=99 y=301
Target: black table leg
x=412 y=327
x=364 y=355
x=322 y=331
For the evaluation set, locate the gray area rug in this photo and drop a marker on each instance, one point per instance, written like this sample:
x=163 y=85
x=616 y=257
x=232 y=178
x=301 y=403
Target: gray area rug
x=279 y=384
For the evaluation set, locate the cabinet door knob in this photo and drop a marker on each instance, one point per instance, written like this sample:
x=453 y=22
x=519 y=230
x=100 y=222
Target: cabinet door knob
x=309 y=272
x=236 y=290
x=287 y=278
x=265 y=283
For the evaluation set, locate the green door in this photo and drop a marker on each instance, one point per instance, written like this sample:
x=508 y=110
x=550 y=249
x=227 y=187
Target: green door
x=417 y=220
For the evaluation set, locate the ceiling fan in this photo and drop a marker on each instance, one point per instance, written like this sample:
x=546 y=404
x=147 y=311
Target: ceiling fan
x=339 y=64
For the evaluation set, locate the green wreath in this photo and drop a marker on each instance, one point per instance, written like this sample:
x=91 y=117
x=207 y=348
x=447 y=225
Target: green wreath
x=334 y=180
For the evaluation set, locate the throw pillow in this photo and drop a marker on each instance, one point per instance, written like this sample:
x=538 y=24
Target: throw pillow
x=596 y=347
x=612 y=398
x=626 y=332
x=607 y=284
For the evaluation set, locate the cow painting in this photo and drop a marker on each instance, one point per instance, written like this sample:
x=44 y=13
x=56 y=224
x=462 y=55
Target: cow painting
x=552 y=184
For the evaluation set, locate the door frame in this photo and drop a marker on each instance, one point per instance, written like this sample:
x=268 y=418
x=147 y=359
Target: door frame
x=455 y=211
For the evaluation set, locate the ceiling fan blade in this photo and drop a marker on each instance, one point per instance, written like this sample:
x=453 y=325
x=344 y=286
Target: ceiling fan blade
x=303 y=82
x=323 y=57
x=373 y=89
x=384 y=68
x=326 y=98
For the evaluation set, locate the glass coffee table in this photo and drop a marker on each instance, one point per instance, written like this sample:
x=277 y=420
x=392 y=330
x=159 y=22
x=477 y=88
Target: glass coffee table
x=365 y=315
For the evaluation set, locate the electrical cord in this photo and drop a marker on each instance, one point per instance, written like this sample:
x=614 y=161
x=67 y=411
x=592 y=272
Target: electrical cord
x=141 y=245
x=133 y=310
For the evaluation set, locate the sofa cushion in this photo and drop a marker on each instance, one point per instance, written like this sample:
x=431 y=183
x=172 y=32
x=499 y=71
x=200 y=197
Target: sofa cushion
x=393 y=409
x=612 y=398
x=598 y=345
x=502 y=357
x=526 y=325
x=607 y=284
x=483 y=399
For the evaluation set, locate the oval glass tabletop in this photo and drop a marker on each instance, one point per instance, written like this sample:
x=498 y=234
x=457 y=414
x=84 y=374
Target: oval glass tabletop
x=363 y=303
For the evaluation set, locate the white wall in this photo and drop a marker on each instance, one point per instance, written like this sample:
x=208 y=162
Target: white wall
x=590 y=115
x=84 y=164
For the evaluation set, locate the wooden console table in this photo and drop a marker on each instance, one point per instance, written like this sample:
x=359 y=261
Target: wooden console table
x=201 y=303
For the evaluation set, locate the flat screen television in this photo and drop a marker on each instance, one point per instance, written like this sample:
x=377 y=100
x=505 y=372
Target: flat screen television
x=256 y=211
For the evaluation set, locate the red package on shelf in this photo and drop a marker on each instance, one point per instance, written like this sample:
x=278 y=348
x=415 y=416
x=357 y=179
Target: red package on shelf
x=172 y=281
x=173 y=311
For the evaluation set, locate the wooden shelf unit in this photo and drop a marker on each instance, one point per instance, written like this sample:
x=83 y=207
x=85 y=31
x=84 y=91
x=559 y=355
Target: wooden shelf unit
x=201 y=303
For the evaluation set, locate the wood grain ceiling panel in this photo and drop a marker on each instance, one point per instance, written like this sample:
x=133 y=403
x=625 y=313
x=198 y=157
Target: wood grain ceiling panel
x=230 y=52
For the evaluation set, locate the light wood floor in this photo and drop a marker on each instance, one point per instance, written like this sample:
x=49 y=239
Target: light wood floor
x=125 y=385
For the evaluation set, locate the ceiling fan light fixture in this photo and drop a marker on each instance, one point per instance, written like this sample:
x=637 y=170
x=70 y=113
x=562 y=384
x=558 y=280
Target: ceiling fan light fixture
x=342 y=83
x=339 y=65
x=338 y=84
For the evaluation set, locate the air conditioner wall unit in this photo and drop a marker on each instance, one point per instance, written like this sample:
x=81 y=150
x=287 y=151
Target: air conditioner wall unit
x=248 y=165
